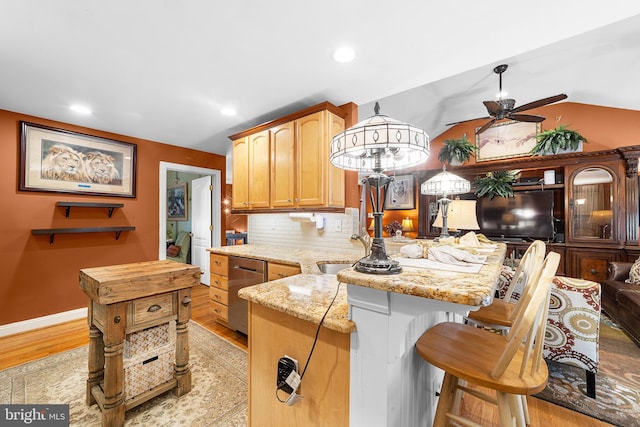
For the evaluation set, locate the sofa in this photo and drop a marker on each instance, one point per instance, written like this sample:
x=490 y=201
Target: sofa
x=621 y=300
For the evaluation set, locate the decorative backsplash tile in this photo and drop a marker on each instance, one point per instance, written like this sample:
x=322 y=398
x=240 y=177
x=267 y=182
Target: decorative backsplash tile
x=279 y=230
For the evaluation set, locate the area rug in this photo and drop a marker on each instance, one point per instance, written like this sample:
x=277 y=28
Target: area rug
x=617 y=382
x=218 y=396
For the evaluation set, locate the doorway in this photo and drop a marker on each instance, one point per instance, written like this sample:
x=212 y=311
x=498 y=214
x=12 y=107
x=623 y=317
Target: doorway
x=196 y=259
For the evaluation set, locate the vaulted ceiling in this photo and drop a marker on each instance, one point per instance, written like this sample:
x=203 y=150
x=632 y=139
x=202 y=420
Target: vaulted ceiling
x=162 y=70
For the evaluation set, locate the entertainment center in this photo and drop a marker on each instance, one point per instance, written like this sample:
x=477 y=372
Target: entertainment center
x=589 y=214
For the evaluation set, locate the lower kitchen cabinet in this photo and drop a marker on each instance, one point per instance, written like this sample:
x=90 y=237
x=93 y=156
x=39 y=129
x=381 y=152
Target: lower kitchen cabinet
x=277 y=271
x=219 y=286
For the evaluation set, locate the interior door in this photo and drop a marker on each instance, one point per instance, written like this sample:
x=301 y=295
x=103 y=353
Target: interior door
x=202 y=229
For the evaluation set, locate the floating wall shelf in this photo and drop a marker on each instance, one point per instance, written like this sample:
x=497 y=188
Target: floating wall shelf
x=53 y=231
x=68 y=205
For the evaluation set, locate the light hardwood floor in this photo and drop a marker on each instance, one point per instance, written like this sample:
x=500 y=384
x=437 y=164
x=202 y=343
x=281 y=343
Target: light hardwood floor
x=21 y=348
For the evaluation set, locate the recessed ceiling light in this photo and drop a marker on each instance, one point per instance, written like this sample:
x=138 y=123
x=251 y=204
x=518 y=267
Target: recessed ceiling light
x=228 y=111
x=344 y=54
x=81 y=109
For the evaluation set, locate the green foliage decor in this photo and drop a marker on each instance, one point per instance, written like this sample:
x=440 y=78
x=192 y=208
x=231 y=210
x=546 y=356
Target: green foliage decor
x=554 y=140
x=460 y=149
x=496 y=183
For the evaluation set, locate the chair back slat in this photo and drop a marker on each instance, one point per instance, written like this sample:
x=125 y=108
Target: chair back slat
x=530 y=319
x=530 y=262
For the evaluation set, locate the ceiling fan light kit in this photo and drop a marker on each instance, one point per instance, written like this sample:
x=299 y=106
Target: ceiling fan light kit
x=504 y=108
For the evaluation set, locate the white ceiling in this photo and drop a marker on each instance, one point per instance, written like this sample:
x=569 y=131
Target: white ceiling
x=162 y=69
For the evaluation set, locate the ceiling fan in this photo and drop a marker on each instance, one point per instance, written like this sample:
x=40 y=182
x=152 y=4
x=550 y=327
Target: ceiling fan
x=504 y=108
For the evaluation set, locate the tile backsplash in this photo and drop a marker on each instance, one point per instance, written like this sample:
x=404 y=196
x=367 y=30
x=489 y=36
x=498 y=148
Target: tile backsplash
x=279 y=229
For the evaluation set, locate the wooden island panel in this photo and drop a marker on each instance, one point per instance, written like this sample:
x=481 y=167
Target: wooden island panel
x=325 y=385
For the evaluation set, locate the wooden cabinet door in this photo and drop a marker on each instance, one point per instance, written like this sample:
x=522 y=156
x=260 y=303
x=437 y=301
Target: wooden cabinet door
x=312 y=151
x=277 y=271
x=335 y=184
x=591 y=264
x=283 y=165
x=240 y=188
x=259 y=170
x=593 y=204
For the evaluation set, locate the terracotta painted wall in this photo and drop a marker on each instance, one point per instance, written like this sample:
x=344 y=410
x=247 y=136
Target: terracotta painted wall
x=39 y=279
x=605 y=128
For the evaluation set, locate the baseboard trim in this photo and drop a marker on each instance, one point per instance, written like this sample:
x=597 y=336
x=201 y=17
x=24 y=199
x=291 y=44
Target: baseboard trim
x=41 y=322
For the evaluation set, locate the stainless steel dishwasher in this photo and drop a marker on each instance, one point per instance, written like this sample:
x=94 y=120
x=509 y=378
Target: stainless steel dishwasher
x=242 y=272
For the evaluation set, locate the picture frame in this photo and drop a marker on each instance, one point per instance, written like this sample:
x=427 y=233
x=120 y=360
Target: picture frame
x=506 y=140
x=401 y=193
x=63 y=161
x=177 y=203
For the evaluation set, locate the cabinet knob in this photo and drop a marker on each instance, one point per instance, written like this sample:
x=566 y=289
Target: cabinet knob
x=594 y=271
x=186 y=301
x=153 y=308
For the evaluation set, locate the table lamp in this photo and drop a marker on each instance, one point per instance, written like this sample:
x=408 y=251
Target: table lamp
x=445 y=184
x=377 y=144
x=461 y=215
x=602 y=218
x=407 y=225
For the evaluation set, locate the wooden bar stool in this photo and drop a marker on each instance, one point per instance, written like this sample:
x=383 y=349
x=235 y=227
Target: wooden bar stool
x=500 y=314
x=510 y=364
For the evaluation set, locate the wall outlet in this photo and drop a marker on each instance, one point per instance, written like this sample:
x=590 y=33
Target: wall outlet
x=339 y=225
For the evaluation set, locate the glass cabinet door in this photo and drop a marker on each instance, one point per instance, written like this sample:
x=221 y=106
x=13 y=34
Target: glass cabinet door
x=591 y=203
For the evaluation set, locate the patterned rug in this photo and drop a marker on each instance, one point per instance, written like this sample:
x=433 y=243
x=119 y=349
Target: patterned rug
x=218 y=396
x=617 y=382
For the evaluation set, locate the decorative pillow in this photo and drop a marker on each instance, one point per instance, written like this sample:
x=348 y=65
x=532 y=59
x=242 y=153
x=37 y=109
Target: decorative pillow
x=634 y=273
x=173 y=251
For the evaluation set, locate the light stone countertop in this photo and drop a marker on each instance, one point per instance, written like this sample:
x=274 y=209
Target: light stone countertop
x=307 y=295
x=461 y=288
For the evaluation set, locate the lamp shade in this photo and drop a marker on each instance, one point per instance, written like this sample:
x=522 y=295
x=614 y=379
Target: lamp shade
x=379 y=143
x=407 y=224
x=460 y=216
x=445 y=183
x=601 y=217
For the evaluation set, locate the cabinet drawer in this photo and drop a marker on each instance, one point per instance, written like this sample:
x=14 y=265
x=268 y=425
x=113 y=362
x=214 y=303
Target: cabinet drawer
x=219 y=295
x=219 y=282
x=219 y=264
x=279 y=271
x=221 y=311
x=151 y=311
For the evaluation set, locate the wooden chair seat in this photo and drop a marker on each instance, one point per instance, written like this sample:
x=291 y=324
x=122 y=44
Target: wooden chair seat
x=475 y=360
x=498 y=313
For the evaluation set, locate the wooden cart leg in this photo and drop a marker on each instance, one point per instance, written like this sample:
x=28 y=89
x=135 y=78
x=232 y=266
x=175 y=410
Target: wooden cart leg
x=182 y=370
x=96 y=362
x=113 y=411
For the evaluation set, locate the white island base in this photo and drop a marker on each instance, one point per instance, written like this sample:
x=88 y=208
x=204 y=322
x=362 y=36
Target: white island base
x=390 y=385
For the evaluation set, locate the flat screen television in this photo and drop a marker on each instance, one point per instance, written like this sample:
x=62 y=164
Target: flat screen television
x=527 y=215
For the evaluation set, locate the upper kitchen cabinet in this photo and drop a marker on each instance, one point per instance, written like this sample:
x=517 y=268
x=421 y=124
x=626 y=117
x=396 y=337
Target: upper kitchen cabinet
x=318 y=182
x=297 y=173
x=251 y=171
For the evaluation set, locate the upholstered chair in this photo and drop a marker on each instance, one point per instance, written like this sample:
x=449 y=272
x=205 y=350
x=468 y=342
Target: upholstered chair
x=573 y=323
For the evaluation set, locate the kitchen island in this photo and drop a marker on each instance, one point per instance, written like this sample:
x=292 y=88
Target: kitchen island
x=364 y=370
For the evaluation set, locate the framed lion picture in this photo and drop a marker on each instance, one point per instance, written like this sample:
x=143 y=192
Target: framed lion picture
x=63 y=161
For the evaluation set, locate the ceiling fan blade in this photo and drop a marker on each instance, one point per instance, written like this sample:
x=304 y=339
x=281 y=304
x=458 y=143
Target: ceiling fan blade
x=492 y=107
x=469 y=120
x=539 y=103
x=526 y=118
x=485 y=126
